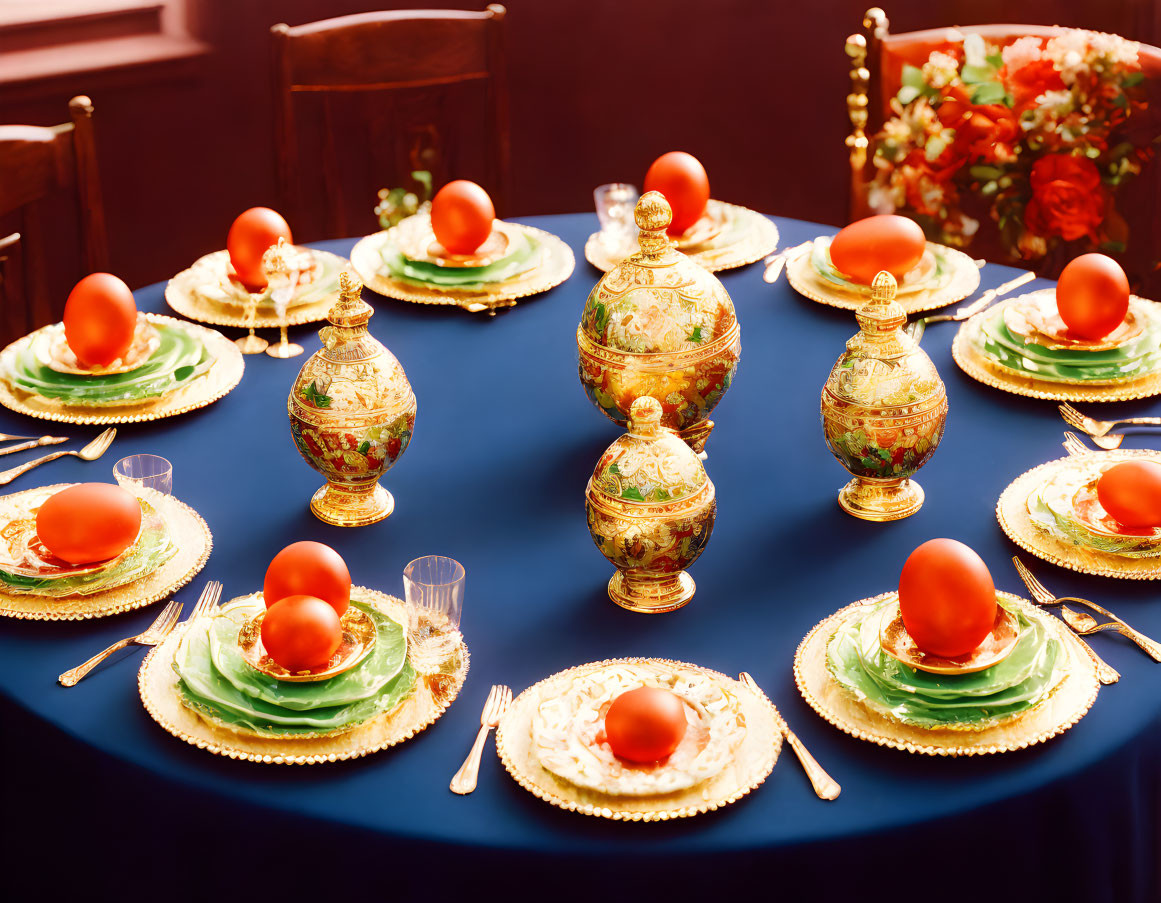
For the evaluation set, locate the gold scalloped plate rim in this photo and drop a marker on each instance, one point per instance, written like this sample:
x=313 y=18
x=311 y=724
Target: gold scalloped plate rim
x=964 y=282
x=625 y=810
x=1012 y=514
x=555 y=269
x=215 y=313
x=217 y=741
x=896 y=735
x=982 y=370
x=221 y=379
x=759 y=241
x=48 y=609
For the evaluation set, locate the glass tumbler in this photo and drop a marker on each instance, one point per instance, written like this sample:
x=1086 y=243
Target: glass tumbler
x=150 y=471
x=434 y=589
x=615 y=202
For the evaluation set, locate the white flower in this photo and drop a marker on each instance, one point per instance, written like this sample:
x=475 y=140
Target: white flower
x=969 y=226
x=1021 y=52
x=940 y=70
x=974 y=51
x=884 y=198
x=1067 y=52
x=1056 y=103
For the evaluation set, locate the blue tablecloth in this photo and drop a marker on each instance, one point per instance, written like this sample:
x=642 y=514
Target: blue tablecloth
x=97 y=795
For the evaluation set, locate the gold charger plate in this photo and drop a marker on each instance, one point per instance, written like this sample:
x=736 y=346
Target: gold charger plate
x=555 y=266
x=182 y=295
x=157 y=685
x=997 y=646
x=964 y=280
x=983 y=369
x=1012 y=513
x=224 y=374
x=760 y=239
x=751 y=765
x=1067 y=704
x=359 y=635
x=194 y=543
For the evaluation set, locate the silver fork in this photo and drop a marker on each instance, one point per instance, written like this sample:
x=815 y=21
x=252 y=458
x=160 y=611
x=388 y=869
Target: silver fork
x=916 y=328
x=499 y=698
x=1043 y=597
x=775 y=263
x=1075 y=447
x=1098 y=430
x=90 y=452
x=207 y=602
x=1106 y=674
x=33 y=443
x=826 y=787
x=154 y=634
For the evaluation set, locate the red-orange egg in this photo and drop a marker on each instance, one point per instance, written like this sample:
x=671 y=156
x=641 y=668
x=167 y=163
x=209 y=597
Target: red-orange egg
x=645 y=724
x=308 y=569
x=89 y=522
x=1092 y=296
x=1131 y=493
x=947 y=598
x=683 y=180
x=252 y=234
x=461 y=216
x=301 y=632
x=886 y=242
x=100 y=317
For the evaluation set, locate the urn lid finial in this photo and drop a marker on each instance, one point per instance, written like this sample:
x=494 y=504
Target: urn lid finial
x=350 y=310
x=645 y=416
x=882 y=313
x=653 y=216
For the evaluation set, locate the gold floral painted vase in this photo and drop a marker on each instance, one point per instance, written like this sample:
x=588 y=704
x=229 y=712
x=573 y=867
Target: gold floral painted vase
x=352 y=413
x=658 y=324
x=883 y=410
x=651 y=510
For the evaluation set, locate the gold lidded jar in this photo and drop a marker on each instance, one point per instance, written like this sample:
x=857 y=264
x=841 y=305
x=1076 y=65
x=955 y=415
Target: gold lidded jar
x=659 y=324
x=651 y=510
x=352 y=413
x=884 y=408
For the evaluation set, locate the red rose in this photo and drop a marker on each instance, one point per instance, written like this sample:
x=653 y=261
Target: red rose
x=1031 y=80
x=1067 y=197
x=982 y=132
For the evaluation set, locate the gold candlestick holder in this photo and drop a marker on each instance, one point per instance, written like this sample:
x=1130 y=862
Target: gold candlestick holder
x=883 y=410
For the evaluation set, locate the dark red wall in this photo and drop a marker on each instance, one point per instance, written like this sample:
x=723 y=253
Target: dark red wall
x=598 y=89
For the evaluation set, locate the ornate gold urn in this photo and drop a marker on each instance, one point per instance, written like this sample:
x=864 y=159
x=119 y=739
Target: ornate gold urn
x=658 y=324
x=883 y=410
x=352 y=413
x=651 y=510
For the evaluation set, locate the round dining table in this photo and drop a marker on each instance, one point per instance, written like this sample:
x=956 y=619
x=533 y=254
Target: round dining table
x=100 y=801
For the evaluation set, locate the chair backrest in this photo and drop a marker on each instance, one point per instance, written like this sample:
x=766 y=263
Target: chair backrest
x=997 y=152
x=402 y=54
x=36 y=163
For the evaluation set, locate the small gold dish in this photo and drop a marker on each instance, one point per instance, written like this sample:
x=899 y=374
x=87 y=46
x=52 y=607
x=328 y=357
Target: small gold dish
x=59 y=357
x=1034 y=317
x=996 y=647
x=494 y=247
x=359 y=636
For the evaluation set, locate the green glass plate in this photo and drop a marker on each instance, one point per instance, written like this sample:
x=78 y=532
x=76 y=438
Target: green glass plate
x=521 y=258
x=821 y=262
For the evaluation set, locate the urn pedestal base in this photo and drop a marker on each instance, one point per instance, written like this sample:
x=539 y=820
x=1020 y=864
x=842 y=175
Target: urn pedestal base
x=651 y=593
x=345 y=506
x=881 y=500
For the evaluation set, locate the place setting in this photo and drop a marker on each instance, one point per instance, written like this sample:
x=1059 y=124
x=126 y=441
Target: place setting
x=262 y=280
x=90 y=550
x=458 y=254
x=1087 y=339
x=312 y=668
x=107 y=362
x=838 y=271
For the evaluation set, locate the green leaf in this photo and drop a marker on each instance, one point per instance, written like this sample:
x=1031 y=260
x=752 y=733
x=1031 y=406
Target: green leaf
x=633 y=494
x=613 y=468
x=1133 y=79
x=1120 y=101
x=912 y=77
x=907 y=94
x=364 y=447
x=986 y=173
x=991 y=92
x=995 y=60
x=1116 y=247
x=423 y=177
x=662 y=495
x=695 y=336
x=977 y=75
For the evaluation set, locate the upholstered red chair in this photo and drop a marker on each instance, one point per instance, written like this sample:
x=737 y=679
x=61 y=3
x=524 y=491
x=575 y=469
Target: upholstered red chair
x=1022 y=144
x=406 y=66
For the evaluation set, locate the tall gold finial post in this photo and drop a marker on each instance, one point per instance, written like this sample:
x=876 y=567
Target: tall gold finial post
x=653 y=216
x=350 y=309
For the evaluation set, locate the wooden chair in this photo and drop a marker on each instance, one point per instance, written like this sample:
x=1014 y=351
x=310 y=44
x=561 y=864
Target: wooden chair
x=35 y=163
x=403 y=57
x=1015 y=208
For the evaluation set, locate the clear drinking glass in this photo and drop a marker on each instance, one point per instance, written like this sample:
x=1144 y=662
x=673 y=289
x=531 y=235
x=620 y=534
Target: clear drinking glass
x=615 y=202
x=150 y=471
x=434 y=589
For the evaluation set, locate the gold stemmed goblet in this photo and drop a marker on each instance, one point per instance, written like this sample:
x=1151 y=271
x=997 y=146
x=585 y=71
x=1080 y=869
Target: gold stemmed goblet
x=282 y=277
